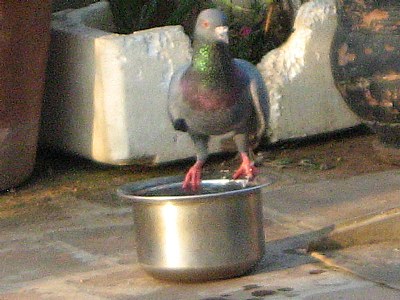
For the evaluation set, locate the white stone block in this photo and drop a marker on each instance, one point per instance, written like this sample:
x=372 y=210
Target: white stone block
x=303 y=98
x=106 y=93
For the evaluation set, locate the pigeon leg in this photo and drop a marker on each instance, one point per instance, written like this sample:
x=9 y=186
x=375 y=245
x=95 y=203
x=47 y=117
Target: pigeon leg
x=247 y=168
x=192 y=179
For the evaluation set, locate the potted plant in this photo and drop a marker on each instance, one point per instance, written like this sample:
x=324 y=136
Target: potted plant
x=251 y=33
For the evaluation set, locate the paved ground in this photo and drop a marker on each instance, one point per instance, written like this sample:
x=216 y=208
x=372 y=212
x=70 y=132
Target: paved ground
x=65 y=234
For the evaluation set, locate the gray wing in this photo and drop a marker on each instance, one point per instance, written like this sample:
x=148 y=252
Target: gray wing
x=175 y=99
x=175 y=112
x=259 y=97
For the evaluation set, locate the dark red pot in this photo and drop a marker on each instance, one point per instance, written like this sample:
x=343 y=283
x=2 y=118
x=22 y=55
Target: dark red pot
x=24 y=39
x=365 y=60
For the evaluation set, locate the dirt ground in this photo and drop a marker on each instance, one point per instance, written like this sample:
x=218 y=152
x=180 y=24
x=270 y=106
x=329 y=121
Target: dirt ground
x=61 y=180
x=340 y=155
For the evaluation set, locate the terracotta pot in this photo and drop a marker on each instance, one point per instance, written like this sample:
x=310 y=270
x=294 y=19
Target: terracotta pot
x=24 y=39
x=365 y=60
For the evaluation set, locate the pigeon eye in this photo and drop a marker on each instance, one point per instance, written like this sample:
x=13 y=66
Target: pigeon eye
x=206 y=24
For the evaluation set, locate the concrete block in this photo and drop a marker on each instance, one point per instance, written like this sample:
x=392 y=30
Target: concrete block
x=303 y=98
x=106 y=93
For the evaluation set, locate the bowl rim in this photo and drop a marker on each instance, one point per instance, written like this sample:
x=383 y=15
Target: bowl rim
x=127 y=190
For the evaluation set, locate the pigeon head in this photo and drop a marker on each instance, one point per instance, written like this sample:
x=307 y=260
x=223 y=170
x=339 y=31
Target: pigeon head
x=211 y=26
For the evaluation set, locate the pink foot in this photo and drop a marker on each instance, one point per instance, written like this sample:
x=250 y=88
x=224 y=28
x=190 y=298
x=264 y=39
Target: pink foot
x=246 y=169
x=193 y=177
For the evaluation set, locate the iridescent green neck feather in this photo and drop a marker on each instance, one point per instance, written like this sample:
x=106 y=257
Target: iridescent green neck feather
x=213 y=63
x=202 y=61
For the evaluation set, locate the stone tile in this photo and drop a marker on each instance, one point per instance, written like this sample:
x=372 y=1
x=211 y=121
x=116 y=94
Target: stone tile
x=376 y=262
x=24 y=261
x=359 y=293
x=111 y=241
x=324 y=203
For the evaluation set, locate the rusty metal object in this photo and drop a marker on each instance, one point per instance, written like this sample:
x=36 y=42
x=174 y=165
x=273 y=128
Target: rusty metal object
x=365 y=60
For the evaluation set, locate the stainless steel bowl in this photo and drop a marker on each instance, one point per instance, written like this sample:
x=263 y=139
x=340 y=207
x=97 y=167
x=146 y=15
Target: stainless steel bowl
x=212 y=234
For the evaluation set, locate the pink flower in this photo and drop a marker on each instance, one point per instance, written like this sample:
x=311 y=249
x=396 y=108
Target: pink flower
x=245 y=31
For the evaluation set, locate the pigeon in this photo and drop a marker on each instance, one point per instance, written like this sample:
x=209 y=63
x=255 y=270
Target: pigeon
x=216 y=94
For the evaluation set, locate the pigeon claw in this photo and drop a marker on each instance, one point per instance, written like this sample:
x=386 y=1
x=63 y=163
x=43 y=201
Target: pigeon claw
x=192 y=179
x=246 y=169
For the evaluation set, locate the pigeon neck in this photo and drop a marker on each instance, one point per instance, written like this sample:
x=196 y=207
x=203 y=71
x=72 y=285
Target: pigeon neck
x=213 y=62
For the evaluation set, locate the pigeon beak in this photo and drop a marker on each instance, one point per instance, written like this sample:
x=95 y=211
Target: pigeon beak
x=222 y=33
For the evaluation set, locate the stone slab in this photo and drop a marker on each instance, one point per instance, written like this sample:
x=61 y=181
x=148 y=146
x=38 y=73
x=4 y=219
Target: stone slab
x=117 y=242
x=303 y=98
x=310 y=281
x=89 y=259
x=325 y=203
x=24 y=261
x=378 y=262
x=372 y=229
x=106 y=93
